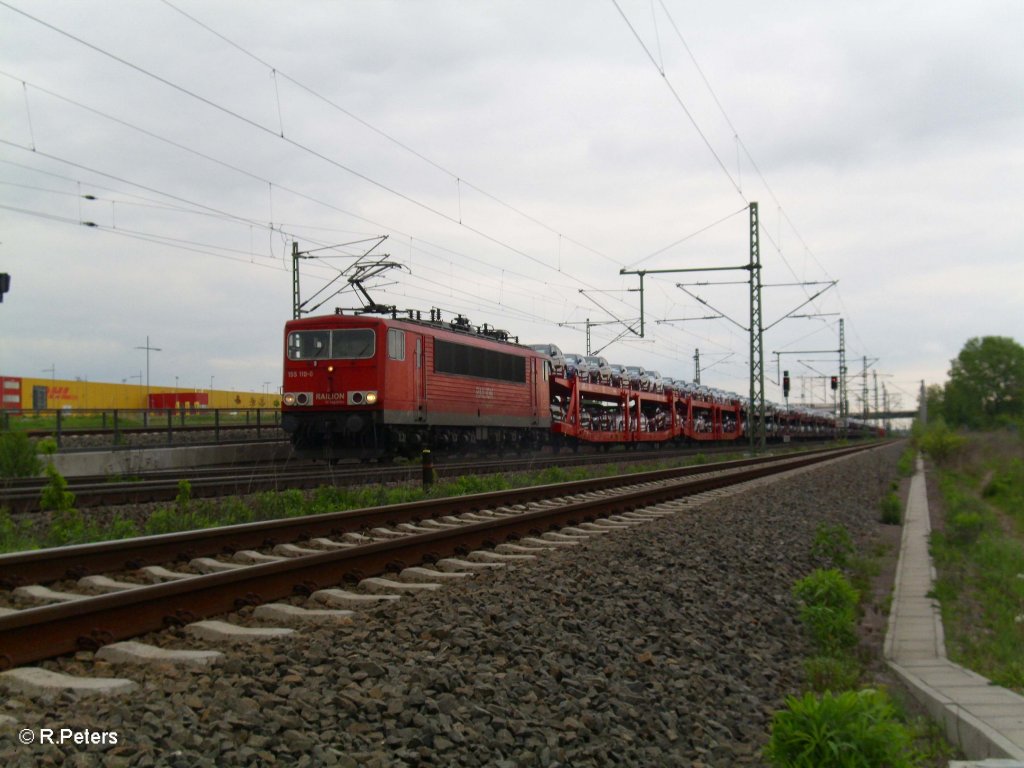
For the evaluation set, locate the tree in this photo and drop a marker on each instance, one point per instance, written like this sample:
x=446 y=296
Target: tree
x=986 y=383
x=935 y=398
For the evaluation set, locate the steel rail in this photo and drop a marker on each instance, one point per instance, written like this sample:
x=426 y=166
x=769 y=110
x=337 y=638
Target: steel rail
x=76 y=561
x=22 y=495
x=39 y=633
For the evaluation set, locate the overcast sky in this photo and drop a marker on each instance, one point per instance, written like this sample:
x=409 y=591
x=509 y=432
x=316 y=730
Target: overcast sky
x=518 y=155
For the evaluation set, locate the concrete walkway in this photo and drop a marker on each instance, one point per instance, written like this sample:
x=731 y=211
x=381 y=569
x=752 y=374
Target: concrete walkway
x=986 y=721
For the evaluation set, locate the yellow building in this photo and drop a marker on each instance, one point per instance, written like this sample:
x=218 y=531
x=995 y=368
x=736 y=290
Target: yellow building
x=19 y=393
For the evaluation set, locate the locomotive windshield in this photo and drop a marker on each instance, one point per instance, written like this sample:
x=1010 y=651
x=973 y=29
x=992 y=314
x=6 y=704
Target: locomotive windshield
x=346 y=344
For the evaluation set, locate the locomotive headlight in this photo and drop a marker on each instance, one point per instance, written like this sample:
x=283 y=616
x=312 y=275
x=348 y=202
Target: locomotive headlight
x=362 y=398
x=289 y=398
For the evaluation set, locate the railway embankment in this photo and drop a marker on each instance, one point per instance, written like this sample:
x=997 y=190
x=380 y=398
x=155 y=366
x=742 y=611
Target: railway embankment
x=668 y=643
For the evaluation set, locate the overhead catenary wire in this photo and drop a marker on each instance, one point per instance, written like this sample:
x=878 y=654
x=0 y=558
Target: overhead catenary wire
x=196 y=208
x=237 y=116
x=737 y=186
x=385 y=135
x=782 y=210
x=265 y=129
x=194 y=246
x=679 y=101
x=251 y=221
x=685 y=238
x=739 y=141
x=210 y=158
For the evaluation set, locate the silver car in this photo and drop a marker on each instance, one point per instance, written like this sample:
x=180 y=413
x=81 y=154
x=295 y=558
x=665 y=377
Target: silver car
x=552 y=351
x=638 y=378
x=600 y=371
x=619 y=375
x=577 y=365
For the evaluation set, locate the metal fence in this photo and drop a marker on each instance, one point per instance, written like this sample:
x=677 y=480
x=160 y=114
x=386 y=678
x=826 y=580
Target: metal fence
x=81 y=429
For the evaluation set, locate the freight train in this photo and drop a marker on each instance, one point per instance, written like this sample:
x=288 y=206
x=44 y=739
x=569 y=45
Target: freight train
x=364 y=386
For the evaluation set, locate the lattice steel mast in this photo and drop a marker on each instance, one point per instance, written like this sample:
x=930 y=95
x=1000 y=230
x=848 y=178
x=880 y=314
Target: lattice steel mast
x=755 y=412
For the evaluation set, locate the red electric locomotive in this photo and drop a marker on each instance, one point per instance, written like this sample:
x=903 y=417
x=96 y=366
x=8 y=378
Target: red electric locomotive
x=357 y=385
x=369 y=386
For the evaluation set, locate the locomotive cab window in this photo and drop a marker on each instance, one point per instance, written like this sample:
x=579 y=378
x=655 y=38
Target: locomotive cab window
x=347 y=344
x=309 y=345
x=396 y=344
x=352 y=343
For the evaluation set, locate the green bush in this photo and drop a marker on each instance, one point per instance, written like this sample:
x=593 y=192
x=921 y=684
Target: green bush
x=15 y=536
x=18 y=456
x=69 y=527
x=862 y=571
x=832 y=545
x=980 y=558
x=167 y=520
x=1005 y=488
x=46 y=446
x=907 y=462
x=966 y=527
x=828 y=609
x=892 y=509
x=853 y=729
x=184 y=494
x=940 y=442
x=121 y=528
x=828 y=673
x=56 y=497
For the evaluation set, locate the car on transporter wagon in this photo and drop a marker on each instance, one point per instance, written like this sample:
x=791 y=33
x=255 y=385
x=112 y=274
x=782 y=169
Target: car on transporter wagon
x=553 y=352
x=600 y=370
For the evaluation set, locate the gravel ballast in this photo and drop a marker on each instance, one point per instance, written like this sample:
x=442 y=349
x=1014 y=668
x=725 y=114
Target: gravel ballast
x=671 y=643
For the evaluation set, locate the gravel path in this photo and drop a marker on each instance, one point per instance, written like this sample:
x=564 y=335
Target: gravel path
x=668 y=644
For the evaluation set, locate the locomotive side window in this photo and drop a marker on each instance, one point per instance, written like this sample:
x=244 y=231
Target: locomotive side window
x=396 y=344
x=352 y=343
x=309 y=345
x=465 y=360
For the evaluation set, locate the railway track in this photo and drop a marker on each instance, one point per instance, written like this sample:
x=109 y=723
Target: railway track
x=22 y=495
x=311 y=553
